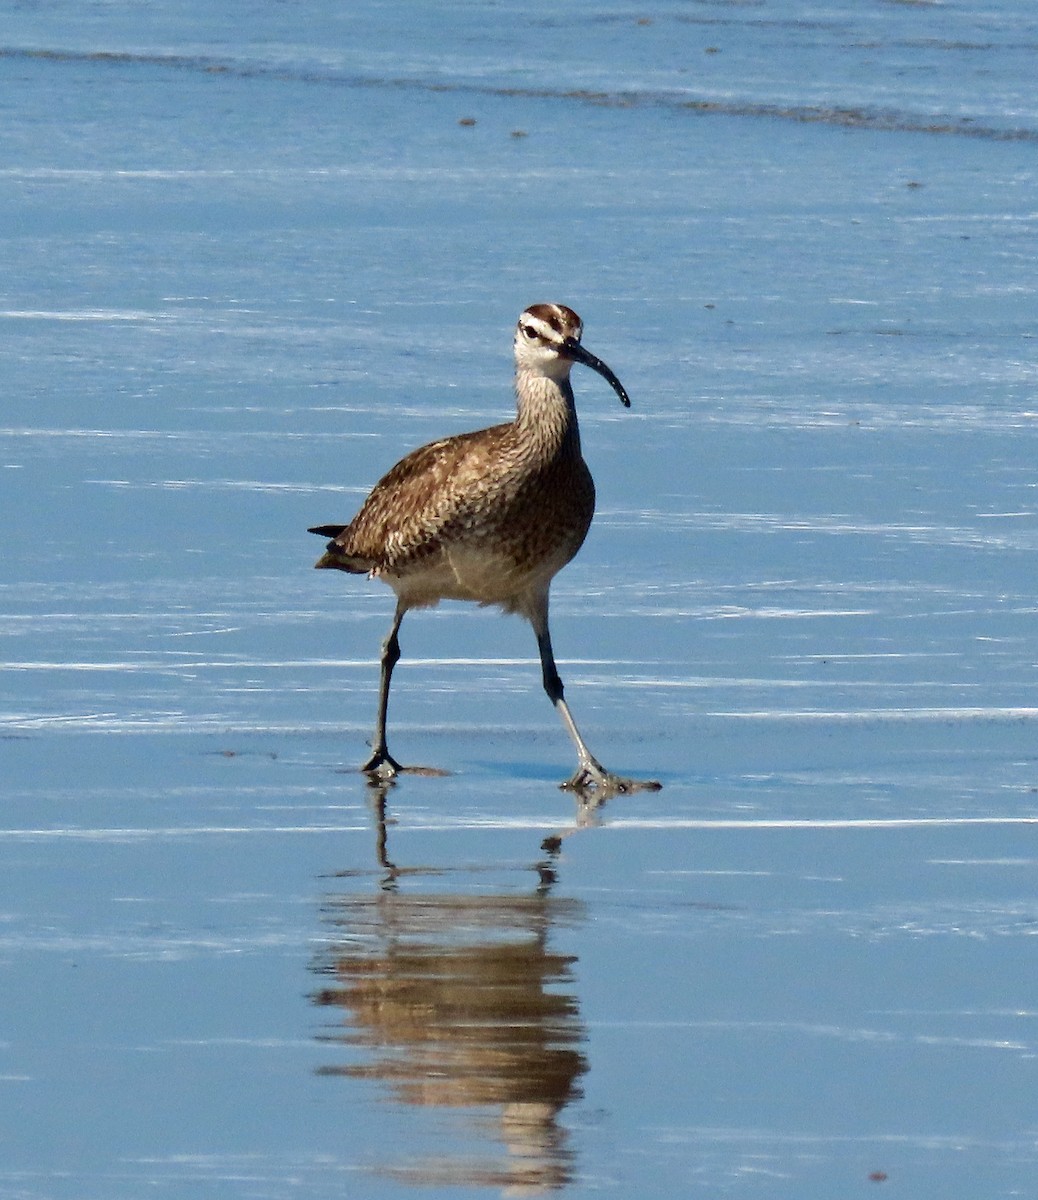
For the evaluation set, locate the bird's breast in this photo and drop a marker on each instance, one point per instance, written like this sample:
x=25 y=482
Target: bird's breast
x=512 y=542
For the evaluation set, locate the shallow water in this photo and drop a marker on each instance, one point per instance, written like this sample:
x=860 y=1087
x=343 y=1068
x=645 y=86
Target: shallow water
x=247 y=258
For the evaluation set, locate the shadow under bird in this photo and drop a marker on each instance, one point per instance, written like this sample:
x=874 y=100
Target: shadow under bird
x=489 y=516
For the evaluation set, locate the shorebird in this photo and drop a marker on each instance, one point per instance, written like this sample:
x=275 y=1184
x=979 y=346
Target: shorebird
x=489 y=516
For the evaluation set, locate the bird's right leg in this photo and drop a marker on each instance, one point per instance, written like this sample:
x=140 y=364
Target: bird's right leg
x=381 y=762
x=591 y=781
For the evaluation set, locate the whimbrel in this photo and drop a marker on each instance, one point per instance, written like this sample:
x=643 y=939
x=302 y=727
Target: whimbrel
x=489 y=516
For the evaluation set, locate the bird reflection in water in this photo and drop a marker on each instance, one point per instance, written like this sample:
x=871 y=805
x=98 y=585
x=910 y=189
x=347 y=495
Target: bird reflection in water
x=455 y=1000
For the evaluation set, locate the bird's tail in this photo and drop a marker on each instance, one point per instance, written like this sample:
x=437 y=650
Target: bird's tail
x=336 y=557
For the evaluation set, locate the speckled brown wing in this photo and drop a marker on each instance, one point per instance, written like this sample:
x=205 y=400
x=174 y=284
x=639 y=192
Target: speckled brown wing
x=403 y=519
x=489 y=497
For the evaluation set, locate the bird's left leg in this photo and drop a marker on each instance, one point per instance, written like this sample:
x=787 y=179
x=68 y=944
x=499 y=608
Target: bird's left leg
x=381 y=762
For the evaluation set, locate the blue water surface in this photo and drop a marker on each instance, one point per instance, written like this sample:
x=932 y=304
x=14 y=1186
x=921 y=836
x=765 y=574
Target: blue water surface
x=250 y=255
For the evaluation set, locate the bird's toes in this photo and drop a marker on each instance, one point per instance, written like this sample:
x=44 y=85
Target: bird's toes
x=381 y=765
x=591 y=782
x=383 y=768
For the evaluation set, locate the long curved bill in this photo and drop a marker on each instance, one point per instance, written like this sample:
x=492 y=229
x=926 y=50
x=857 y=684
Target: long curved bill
x=573 y=349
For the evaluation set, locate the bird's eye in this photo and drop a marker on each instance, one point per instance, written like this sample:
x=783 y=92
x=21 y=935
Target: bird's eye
x=529 y=331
